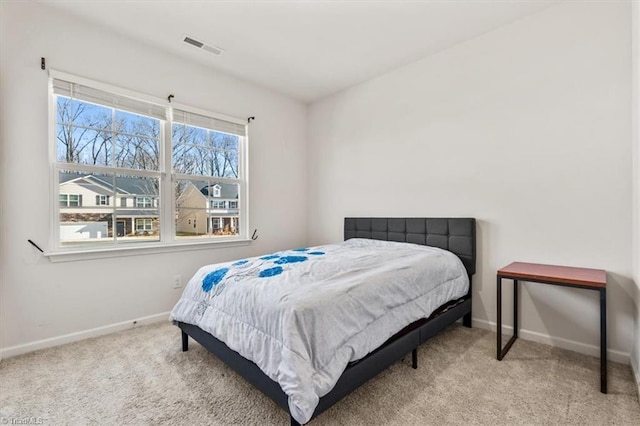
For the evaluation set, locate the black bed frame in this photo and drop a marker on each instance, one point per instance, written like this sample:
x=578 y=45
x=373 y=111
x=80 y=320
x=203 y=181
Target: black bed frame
x=457 y=235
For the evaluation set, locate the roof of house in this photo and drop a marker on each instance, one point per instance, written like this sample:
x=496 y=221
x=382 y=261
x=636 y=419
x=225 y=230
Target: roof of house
x=124 y=184
x=227 y=190
x=144 y=186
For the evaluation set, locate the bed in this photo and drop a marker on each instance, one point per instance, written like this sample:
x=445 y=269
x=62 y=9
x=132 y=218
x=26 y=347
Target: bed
x=433 y=240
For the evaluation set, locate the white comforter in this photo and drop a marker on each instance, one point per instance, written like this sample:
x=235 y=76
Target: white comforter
x=303 y=315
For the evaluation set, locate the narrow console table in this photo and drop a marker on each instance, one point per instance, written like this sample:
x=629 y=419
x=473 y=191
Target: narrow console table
x=590 y=279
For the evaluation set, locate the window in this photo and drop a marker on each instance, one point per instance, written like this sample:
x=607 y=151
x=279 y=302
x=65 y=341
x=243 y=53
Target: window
x=102 y=200
x=144 y=227
x=207 y=158
x=170 y=160
x=144 y=224
x=70 y=200
x=233 y=204
x=144 y=202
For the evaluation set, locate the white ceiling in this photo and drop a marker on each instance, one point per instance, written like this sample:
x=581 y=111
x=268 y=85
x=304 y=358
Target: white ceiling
x=305 y=49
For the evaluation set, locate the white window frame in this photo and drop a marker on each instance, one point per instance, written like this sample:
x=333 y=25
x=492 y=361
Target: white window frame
x=167 y=241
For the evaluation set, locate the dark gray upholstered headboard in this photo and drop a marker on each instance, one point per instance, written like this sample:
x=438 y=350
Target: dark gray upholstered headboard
x=458 y=235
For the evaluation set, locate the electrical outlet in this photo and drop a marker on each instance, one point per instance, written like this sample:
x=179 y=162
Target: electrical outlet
x=177 y=282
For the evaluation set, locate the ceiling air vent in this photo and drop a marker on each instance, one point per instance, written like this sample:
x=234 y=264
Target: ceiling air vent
x=201 y=45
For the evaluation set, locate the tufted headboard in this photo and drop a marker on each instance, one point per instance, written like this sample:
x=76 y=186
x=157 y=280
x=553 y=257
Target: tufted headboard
x=458 y=235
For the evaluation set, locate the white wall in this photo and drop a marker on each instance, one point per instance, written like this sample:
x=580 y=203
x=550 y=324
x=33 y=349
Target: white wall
x=41 y=300
x=527 y=129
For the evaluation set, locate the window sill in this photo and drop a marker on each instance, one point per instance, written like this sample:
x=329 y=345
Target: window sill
x=122 y=251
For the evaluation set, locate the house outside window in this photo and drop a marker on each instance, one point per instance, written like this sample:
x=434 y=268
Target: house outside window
x=169 y=160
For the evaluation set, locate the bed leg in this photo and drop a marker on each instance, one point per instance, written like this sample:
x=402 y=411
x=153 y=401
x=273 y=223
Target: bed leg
x=185 y=342
x=466 y=320
x=414 y=358
x=294 y=422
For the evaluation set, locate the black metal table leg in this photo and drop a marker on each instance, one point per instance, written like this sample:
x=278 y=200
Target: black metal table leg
x=499 y=321
x=414 y=358
x=500 y=351
x=603 y=340
x=515 y=308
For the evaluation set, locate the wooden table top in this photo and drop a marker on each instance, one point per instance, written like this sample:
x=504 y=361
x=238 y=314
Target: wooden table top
x=561 y=274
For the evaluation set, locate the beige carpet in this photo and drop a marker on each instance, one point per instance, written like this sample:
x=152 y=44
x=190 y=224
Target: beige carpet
x=141 y=376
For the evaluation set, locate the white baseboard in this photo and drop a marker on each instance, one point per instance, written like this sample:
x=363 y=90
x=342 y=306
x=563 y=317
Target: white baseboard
x=636 y=374
x=81 y=335
x=572 y=345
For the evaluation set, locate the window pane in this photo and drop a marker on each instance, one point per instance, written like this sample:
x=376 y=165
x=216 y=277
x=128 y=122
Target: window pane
x=225 y=141
x=224 y=225
x=83 y=114
x=182 y=134
x=191 y=223
x=88 y=146
x=139 y=219
x=188 y=194
x=64 y=143
x=91 y=115
x=82 y=219
x=65 y=109
x=137 y=152
x=134 y=124
x=86 y=228
x=204 y=152
x=201 y=223
x=225 y=151
x=83 y=145
x=191 y=159
x=200 y=214
x=224 y=163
